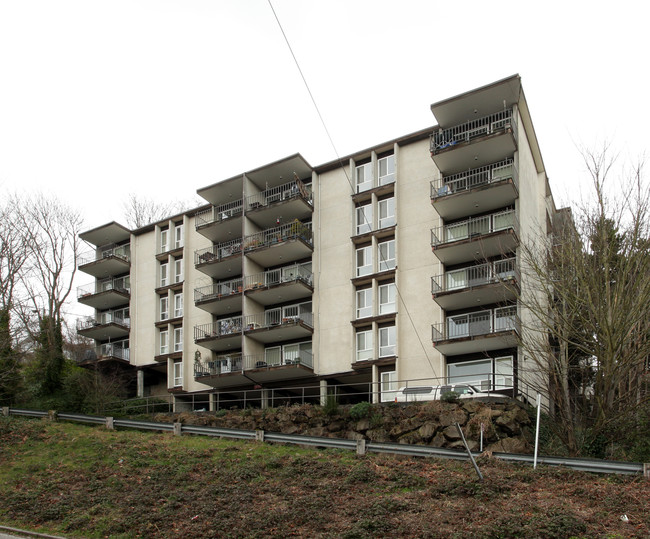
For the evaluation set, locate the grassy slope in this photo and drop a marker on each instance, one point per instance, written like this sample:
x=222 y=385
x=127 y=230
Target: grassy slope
x=85 y=481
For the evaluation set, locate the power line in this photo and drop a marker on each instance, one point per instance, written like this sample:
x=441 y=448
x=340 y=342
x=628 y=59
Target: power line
x=347 y=176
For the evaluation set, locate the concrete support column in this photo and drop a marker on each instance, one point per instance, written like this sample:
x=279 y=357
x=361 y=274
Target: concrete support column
x=265 y=398
x=213 y=405
x=375 y=385
x=140 y=383
x=323 y=392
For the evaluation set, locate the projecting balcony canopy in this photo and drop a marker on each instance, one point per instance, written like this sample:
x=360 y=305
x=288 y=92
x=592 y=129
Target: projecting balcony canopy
x=220 y=222
x=476 y=238
x=105 y=294
x=234 y=369
x=288 y=283
x=105 y=262
x=480 y=141
x=104 y=327
x=220 y=298
x=220 y=335
x=476 y=190
x=493 y=282
x=293 y=198
x=221 y=260
x=287 y=243
x=491 y=329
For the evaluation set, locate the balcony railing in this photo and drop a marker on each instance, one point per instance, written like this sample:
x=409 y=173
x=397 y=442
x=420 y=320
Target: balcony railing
x=278 y=234
x=470 y=179
x=118 y=251
x=227 y=364
x=113 y=350
x=217 y=252
x=476 y=324
x=221 y=365
x=473 y=227
x=284 y=316
x=218 y=329
x=287 y=191
x=495 y=272
x=118 y=285
x=467 y=131
x=217 y=214
x=274 y=277
x=105 y=318
x=218 y=290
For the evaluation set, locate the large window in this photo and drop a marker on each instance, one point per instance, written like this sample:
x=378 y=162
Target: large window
x=387 y=295
x=386 y=166
x=387 y=338
x=164 y=342
x=364 y=218
x=364 y=261
x=164 y=308
x=485 y=374
x=178 y=339
x=363 y=175
x=178 y=373
x=387 y=255
x=364 y=345
x=364 y=303
x=387 y=212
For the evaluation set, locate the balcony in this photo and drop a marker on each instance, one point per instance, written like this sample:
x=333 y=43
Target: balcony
x=219 y=223
x=228 y=370
x=491 y=329
x=220 y=298
x=493 y=282
x=104 y=327
x=281 y=324
x=288 y=243
x=221 y=260
x=293 y=198
x=219 y=335
x=113 y=352
x=475 y=191
x=107 y=261
x=104 y=295
x=480 y=142
x=476 y=238
x=283 y=284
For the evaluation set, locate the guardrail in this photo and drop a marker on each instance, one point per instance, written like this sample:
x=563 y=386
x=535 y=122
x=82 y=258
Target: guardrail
x=360 y=446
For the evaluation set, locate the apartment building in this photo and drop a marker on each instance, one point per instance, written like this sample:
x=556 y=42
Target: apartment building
x=397 y=265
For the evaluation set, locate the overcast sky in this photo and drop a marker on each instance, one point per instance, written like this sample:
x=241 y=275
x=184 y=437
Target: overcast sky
x=99 y=99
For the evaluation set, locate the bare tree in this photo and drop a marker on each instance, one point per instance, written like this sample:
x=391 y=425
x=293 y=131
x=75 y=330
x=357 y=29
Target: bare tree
x=14 y=253
x=588 y=306
x=140 y=211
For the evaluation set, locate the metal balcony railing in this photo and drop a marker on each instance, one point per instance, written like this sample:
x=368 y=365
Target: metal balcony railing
x=231 y=363
x=274 y=277
x=218 y=290
x=223 y=364
x=119 y=285
x=467 y=131
x=474 y=227
x=494 y=272
x=217 y=252
x=279 y=234
x=291 y=315
x=476 y=177
x=478 y=323
x=217 y=214
x=287 y=191
x=118 y=251
x=218 y=329
x=104 y=318
x=116 y=349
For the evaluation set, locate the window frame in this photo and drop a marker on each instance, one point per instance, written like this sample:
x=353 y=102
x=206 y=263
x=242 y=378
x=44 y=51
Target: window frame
x=366 y=294
x=364 y=218
x=178 y=305
x=163 y=344
x=368 y=177
x=164 y=274
x=164 y=240
x=388 y=221
x=389 y=177
x=389 y=349
x=177 y=374
x=386 y=263
x=367 y=256
x=178 y=339
x=163 y=312
x=179 y=236
x=392 y=291
x=368 y=351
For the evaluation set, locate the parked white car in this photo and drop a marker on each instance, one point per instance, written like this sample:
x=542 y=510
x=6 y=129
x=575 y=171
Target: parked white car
x=431 y=393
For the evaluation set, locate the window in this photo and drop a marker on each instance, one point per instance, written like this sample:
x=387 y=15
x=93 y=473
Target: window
x=476 y=373
x=386 y=166
x=387 y=337
x=503 y=373
x=364 y=177
x=364 y=261
x=387 y=255
x=164 y=240
x=178 y=236
x=178 y=339
x=178 y=373
x=364 y=303
x=164 y=308
x=164 y=342
x=273 y=356
x=178 y=305
x=388 y=387
x=364 y=345
x=178 y=270
x=387 y=294
x=164 y=275
x=387 y=212
x=364 y=218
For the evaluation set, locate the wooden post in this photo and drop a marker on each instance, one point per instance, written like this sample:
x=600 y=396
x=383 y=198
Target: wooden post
x=177 y=429
x=361 y=447
x=5 y=410
x=259 y=435
x=109 y=423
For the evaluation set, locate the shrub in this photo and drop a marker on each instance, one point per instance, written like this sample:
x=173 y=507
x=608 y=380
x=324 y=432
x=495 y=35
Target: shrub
x=331 y=406
x=360 y=410
x=449 y=396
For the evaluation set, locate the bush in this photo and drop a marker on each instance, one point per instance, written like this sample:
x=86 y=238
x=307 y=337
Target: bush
x=331 y=406
x=360 y=410
x=449 y=396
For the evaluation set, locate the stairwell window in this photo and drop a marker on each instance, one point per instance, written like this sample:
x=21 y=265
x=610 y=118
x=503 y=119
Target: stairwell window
x=364 y=261
x=387 y=339
x=364 y=178
x=178 y=339
x=178 y=236
x=387 y=212
x=386 y=168
x=178 y=374
x=364 y=303
x=164 y=308
x=164 y=342
x=388 y=388
x=178 y=305
x=164 y=241
x=364 y=218
x=386 y=255
x=178 y=270
x=164 y=274
x=387 y=295
x=364 y=345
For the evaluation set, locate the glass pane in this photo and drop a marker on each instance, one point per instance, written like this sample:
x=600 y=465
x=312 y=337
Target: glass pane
x=471 y=372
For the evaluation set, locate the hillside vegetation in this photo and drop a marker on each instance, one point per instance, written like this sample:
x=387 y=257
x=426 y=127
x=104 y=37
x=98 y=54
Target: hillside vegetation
x=82 y=481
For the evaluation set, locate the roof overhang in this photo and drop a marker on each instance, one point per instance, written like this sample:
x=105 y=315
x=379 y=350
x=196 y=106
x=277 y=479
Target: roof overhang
x=112 y=232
